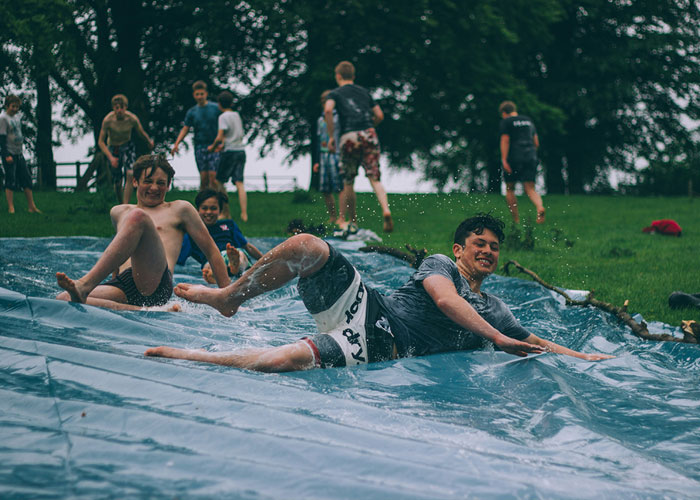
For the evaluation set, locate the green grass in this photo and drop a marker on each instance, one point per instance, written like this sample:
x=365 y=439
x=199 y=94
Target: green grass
x=610 y=254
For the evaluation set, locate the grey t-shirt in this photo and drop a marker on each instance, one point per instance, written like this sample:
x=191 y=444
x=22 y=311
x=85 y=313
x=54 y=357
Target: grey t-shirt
x=230 y=122
x=420 y=328
x=11 y=126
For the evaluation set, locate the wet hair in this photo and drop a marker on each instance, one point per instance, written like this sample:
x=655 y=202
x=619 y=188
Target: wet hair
x=199 y=85
x=12 y=99
x=205 y=194
x=149 y=164
x=225 y=99
x=346 y=70
x=477 y=224
x=121 y=100
x=507 y=107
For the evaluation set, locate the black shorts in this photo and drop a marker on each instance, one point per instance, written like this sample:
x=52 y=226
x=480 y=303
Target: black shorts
x=348 y=314
x=125 y=282
x=231 y=165
x=523 y=171
x=17 y=174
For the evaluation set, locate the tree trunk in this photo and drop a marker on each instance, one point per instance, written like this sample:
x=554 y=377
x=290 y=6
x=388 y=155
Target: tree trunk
x=44 y=150
x=554 y=179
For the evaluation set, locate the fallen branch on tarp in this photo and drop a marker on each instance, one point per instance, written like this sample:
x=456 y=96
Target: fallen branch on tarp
x=639 y=329
x=414 y=257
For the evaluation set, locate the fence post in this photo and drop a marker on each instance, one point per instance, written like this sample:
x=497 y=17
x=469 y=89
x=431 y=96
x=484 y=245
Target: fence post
x=77 y=173
x=265 y=180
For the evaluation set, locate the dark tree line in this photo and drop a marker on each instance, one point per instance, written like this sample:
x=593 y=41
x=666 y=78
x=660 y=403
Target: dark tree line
x=605 y=81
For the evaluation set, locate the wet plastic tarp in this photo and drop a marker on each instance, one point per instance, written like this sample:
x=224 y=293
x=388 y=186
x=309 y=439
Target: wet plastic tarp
x=83 y=414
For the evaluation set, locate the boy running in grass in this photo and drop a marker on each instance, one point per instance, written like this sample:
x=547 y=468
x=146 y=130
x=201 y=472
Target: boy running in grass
x=17 y=175
x=204 y=117
x=238 y=253
x=519 y=143
x=119 y=148
x=229 y=140
x=143 y=253
x=329 y=179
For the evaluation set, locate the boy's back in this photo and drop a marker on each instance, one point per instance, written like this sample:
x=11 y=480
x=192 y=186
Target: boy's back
x=230 y=122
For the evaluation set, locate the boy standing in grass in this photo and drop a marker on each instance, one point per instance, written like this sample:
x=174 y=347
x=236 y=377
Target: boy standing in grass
x=17 y=174
x=119 y=148
x=327 y=166
x=229 y=140
x=204 y=117
x=519 y=143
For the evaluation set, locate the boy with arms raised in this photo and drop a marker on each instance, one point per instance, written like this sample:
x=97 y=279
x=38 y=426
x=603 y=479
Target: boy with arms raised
x=144 y=250
x=115 y=142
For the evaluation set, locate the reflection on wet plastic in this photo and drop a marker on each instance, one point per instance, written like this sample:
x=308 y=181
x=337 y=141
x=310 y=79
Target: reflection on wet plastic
x=84 y=413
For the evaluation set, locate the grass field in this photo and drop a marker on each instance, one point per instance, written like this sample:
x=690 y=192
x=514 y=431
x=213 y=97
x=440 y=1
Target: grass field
x=587 y=243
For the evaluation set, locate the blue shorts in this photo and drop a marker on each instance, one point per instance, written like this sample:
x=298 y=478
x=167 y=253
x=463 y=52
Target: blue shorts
x=207 y=161
x=329 y=180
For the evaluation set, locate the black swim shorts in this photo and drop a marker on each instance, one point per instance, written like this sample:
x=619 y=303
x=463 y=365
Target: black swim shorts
x=125 y=282
x=348 y=315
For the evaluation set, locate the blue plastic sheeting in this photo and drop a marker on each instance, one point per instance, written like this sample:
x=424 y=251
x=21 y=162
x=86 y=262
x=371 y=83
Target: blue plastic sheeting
x=84 y=414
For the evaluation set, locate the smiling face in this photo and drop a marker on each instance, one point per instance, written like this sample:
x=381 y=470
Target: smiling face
x=209 y=211
x=478 y=257
x=150 y=191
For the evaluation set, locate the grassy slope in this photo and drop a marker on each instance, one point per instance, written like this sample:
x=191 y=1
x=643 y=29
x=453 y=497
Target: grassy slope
x=610 y=254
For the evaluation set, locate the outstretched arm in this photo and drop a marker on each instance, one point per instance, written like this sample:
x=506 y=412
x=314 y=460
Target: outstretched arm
x=446 y=298
x=505 y=147
x=556 y=348
x=330 y=126
x=179 y=139
x=142 y=132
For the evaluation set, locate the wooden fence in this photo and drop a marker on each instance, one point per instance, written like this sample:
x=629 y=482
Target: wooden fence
x=67 y=174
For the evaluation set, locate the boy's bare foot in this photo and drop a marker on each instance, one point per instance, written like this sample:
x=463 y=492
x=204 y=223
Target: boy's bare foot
x=388 y=223
x=244 y=217
x=208 y=275
x=540 y=216
x=234 y=258
x=72 y=287
x=11 y=210
x=200 y=294
x=35 y=211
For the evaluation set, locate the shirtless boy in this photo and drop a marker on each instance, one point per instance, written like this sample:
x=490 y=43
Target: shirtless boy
x=144 y=250
x=119 y=148
x=441 y=308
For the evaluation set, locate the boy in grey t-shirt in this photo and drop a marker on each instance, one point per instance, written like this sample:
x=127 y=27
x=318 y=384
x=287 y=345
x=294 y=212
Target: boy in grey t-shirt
x=229 y=140
x=441 y=308
x=17 y=175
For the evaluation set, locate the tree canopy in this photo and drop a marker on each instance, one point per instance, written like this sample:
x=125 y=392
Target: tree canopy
x=605 y=82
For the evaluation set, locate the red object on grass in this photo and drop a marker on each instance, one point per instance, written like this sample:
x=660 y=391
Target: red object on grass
x=664 y=226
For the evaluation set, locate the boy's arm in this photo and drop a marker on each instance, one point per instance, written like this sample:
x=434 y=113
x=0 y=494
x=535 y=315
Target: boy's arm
x=142 y=132
x=4 y=154
x=179 y=139
x=443 y=292
x=201 y=237
x=330 y=126
x=103 y=145
x=505 y=147
x=377 y=115
x=253 y=251
x=218 y=140
x=556 y=348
